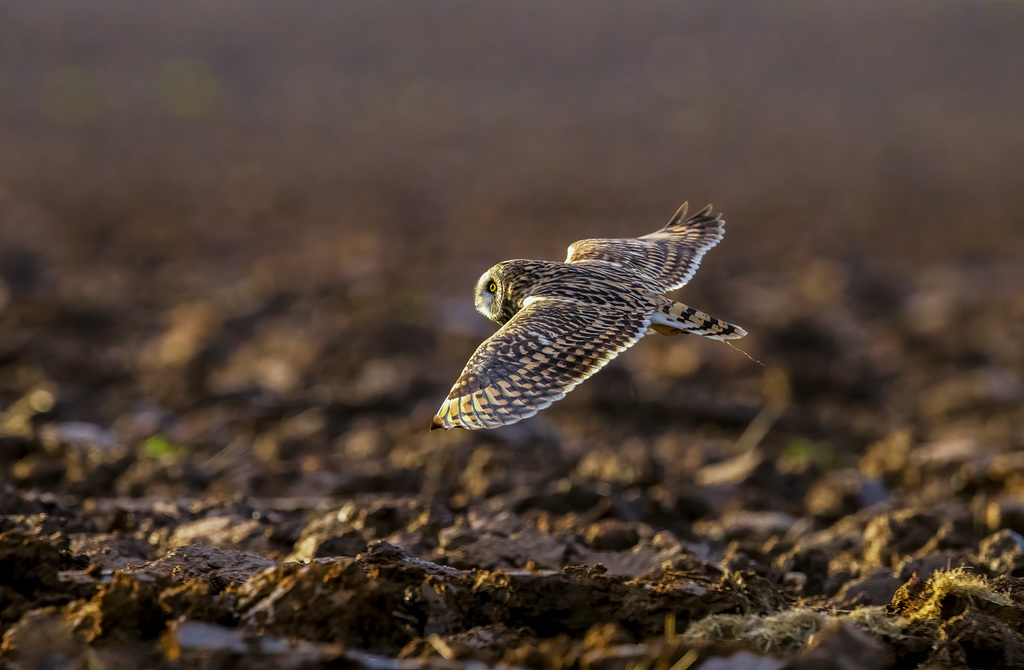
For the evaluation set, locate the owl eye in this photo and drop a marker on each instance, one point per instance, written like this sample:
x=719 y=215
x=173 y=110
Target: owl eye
x=492 y=288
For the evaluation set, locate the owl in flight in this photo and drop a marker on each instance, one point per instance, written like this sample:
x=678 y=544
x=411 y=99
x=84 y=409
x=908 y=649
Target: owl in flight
x=561 y=322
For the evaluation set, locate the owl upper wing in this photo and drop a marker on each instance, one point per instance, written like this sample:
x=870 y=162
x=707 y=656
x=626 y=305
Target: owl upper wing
x=541 y=354
x=668 y=257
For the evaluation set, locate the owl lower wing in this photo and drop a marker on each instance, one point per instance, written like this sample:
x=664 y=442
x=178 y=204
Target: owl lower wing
x=548 y=348
x=668 y=258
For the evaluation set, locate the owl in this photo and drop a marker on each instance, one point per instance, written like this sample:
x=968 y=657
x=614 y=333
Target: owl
x=562 y=322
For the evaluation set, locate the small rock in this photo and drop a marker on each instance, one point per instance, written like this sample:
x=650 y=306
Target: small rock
x=629 y=465
x=217 y=566
x=887 y=458
x=110 y=551
x=76 y=432
x=328 y=536
x=794 y=580
x=742 y=660
x=611 y=535
x=666 y=541
x=835 y=494
x=37 y=470
x=875 y=589
x=227 y=532
x=42 y=639
x=845 y=648
x=927 y=565
x=1003 y=553
x=889 y=536
x=1005 y=513
x=746 y=525
x=807 y=570
x=455 y=537
x=190 y=326
x=976 y=390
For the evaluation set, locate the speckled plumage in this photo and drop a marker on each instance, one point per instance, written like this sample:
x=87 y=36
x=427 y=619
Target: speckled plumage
x=561 y=322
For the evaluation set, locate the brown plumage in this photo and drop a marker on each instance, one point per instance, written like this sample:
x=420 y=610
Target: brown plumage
x=561 y=322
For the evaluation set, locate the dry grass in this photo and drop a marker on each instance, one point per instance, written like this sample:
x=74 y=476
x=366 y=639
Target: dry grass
x=956 y=583
x=794 y=629
x=785 y=631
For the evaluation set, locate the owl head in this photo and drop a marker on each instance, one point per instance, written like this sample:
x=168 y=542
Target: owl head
x=488 y=297
x=497 y=293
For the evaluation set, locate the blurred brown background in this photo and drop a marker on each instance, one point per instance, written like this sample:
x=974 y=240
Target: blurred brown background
x=345 y=171
x=890 y=129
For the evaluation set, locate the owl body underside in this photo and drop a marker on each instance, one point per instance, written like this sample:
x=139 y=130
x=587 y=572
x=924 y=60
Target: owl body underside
x=562 y=322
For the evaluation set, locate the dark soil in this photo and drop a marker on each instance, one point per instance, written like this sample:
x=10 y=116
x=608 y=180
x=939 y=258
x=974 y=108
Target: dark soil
x=236 y=252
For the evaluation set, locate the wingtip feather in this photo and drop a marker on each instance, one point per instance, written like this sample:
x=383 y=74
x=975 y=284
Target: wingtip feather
x=706 y=212
x=680 y=214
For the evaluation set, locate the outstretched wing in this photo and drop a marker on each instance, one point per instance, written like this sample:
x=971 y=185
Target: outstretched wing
x=541 y=354
x=668 y=258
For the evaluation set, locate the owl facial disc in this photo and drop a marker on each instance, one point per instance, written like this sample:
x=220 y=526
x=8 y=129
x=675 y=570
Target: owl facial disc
x=486 y=295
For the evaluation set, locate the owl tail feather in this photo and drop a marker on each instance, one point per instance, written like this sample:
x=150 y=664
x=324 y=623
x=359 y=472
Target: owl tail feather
x=674 y=318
